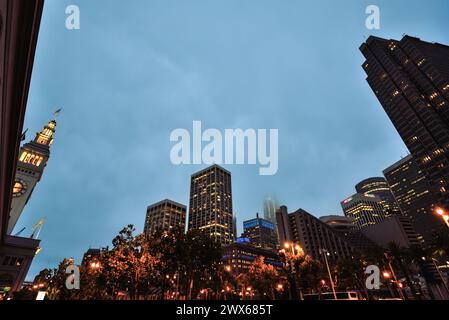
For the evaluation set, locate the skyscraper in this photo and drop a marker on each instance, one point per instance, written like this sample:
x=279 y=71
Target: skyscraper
x=210 y=208
x=410 y=78
x=412 y=192
x=165 y=215
x=311 y=234
x=33 y=158
x=364 y=209
x=378 y=186
x=261 y=233
x=270 y=205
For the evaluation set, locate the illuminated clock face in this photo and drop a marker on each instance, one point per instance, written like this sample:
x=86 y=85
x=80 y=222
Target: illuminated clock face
x=19 y=188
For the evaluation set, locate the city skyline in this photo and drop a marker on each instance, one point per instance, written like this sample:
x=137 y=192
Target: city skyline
x=90 y=153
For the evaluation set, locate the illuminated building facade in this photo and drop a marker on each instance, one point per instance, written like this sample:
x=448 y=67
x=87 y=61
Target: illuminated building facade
x=410 y=78
x=33 y=158
x=261 y=233
x=210 y=208
x=412 y=192
x=165 y=215
x=364 y=209
x=312 y=235
x=241 y=255
x=378 y=186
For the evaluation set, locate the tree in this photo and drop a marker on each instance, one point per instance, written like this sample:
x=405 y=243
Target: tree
x=128 y=265
x=262 y=278
x=400 y=257
x=310 y=274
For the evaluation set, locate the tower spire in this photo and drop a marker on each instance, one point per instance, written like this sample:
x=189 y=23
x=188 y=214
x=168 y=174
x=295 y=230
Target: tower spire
x=45 y=137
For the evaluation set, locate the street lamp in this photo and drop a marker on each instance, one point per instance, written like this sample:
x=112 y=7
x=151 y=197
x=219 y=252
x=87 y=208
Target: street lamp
x=443 y=214
x=326 y=253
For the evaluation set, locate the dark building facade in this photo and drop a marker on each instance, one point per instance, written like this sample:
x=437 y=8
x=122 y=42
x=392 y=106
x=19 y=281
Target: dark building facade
x=378 y=186
x=364 y=209
x=311 y=234
x=240 y=255
x=19 y=29
x=165 y=215
x=210 y=208
x=412 y=192
x=346 y=228
x=410 y=78
x=262 y=233
x=399 y=230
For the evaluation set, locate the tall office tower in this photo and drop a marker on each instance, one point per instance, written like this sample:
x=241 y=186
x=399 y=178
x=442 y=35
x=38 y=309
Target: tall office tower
x=33 y=157
x=314 y=236
x=412 y=192
x=165 y=215
x=261 y=233
x=210 y=208
x=364 y=209
x=378 y=186
x=410 y=78
x=270 y=205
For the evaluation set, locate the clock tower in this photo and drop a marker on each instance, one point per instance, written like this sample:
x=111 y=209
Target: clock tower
x=33 y=157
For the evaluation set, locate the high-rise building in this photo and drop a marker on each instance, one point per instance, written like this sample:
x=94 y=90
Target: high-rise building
x=261 y=233
x=270 y=205
x=241 y=255
x=313 y=235
x=412 y=192
x=364 y=209
x=410 y=78
x=165 y=215
x=378 y=186
x=33 y=158
x=210 y=208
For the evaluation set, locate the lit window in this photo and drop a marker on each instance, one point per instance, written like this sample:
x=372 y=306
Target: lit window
x=420 y=62
x=433 y=95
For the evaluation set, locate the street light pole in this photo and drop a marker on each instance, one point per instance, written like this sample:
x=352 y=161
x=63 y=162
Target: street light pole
x=329 y=272
x=394 y=276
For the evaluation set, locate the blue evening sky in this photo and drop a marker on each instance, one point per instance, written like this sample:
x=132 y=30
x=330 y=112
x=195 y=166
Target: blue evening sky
x=136 y=70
